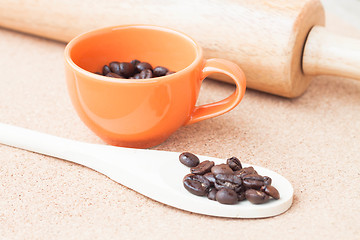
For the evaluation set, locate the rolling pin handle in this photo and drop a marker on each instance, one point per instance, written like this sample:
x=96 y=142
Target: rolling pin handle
x=326 y=53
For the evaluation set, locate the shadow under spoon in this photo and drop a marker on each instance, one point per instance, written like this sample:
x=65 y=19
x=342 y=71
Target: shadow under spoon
x=155 y=174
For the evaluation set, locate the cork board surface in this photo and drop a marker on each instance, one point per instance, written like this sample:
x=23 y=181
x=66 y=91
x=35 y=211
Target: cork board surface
x=313 y=141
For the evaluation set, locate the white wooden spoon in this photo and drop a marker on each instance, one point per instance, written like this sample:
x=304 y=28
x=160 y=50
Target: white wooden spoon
x=155 y=174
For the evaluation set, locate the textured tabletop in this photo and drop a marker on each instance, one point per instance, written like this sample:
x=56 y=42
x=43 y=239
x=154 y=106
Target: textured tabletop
x=313 y=141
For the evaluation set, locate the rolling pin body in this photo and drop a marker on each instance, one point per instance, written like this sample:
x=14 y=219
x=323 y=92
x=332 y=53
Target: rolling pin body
x=265 y=38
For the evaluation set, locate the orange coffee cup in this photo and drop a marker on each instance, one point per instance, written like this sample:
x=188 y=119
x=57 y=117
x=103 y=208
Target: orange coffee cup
x=142 y=113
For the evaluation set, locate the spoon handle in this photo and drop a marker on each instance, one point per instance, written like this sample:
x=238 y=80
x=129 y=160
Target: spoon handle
x=35 y=141
x=50 y=145
x=138 y=169
x=98 y=157
x=123 y=165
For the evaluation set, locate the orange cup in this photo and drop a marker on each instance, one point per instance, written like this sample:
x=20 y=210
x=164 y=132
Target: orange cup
x=142 y=113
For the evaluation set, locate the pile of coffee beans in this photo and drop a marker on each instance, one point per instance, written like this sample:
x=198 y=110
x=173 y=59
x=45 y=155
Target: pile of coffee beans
x=226 y=183
x=133 y=70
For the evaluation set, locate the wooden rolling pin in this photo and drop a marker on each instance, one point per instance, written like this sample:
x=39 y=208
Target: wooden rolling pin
x=280 y=44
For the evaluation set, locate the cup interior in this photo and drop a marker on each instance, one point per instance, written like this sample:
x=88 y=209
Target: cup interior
x=156 y=45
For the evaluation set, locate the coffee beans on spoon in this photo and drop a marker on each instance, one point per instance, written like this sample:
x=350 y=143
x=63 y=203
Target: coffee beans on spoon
x=189 y=159
x=226 y=183
x=134 y=69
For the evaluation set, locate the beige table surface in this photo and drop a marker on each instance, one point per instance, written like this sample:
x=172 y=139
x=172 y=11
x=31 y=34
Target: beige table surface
x=314 y=141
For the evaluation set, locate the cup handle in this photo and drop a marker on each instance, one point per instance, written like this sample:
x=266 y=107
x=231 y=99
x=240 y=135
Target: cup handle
x=211 y=110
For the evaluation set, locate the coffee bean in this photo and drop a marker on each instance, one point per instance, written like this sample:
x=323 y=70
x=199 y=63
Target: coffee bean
x=242 y=188
x=195 y=187
x=105 y=70
x=271 y=191
x=267 y=180
x=254 y=181
x=212 y=194
x=256 y=197
x=203 y=167
x=210 y=176
x=136 y=76
x=115 y=67
x=226 y=196
x=144 y=74
x=241 y=196
x=254 y=176
x=135 y=62
x=169 y=72
x=189 y=159
x=196 y=184
x=160 y=71
x=234 y=163
x=126 y=69
x=114 y=75
x=245 y=171
x=134 y=70
x=142 y=66
x=229 y=181
x=221 y=168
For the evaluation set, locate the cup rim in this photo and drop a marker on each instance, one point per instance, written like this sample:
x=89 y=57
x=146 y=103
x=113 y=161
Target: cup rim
x=78 y=38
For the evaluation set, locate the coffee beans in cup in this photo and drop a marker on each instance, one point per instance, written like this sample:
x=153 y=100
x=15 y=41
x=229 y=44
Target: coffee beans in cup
x=226 y=183
x=134 y=69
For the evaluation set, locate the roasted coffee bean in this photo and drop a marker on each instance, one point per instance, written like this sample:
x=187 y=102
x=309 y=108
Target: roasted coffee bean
x=267 y=180
x=136 y=76
x=169 y=72
x=271 y=191
x=254 y=181
x=229 y=181
x=234 y=163
x=144 y=74
x=203 y=167
x=210 y=176
x=126 y=69
x=189 y=159
x=114 y=75
x=212 y=194
x=241 y=196
x=242 y=188
x=221 y=168
x=160 y=71
x=256 y=197
x=135 y=70
x=115 y=67
x=105 y=70
x=142 y=66
x=245 y=171
x=196 y=184
x=226 y=196
x=135 y=62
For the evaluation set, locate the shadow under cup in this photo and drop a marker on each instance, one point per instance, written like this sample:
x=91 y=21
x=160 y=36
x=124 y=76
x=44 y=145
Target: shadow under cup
x=137 y=113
